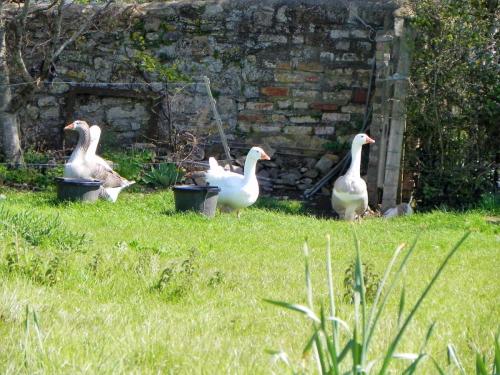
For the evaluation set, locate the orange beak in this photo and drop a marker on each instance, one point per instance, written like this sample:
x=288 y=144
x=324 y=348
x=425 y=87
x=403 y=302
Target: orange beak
x=69 y=127
x=264 y=156
x=369 y=140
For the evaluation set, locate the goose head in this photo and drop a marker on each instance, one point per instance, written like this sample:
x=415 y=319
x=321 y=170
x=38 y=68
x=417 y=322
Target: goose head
x=78 y=125
x=362 y=139
x=256 y=153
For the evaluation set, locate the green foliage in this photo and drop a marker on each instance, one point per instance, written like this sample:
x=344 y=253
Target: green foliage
x=130 y=164
x=39 y=178
x=371 y=282
x=454 y=106
x=327 y=329
x=39 y=230
x=37 y=266
x=165 y=175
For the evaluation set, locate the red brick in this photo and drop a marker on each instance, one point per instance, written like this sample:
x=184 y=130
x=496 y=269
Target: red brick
x=275 y=91
x=359 y=95
x=324 y=106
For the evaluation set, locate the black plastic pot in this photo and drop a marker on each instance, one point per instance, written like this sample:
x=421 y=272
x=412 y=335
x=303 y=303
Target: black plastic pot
x=201 y=199
x=76 y=189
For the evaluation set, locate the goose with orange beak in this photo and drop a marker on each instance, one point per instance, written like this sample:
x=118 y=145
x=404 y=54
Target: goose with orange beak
x=350 y=195
x=84 y=164
x=237 y=191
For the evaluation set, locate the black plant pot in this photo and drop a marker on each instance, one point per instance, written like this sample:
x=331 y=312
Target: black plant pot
x=76 y=189
x=201 y=199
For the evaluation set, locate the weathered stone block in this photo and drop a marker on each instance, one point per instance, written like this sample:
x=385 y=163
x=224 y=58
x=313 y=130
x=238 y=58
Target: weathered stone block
x=299 y=130
x=300 y=105
x=342 y=45
x=284 y=104
x=305 y=93
x=338 y=34
x=324 y=130
x=259 y=106
x=338 y=97
x=333 y=117
x=326 y=163
x=47 y=101
x=303 y=120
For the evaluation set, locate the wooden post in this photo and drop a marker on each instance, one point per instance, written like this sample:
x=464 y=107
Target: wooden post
x=218 y=121
x=381 y=114
x=398 y=119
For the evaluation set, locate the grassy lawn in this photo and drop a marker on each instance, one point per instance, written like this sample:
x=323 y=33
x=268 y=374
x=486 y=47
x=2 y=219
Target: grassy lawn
x=153 y=291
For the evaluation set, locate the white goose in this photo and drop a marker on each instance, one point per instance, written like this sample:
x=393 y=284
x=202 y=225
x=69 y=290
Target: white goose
x=85 y=165
x=237 y=191
x=349 y=195
x=91 y=156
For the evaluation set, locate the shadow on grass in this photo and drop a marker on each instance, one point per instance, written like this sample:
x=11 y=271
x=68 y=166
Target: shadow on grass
x=319 y=207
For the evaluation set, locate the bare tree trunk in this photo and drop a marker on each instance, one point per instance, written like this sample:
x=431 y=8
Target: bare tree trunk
x=398 y=123
x=8 y=120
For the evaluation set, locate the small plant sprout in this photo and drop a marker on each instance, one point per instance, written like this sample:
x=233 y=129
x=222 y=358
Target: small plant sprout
x=332 y=341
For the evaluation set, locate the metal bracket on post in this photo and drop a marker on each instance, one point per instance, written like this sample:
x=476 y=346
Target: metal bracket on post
x=218 y=121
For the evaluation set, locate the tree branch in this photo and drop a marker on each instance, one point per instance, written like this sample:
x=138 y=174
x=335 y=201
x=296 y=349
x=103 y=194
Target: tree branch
x=80 y=31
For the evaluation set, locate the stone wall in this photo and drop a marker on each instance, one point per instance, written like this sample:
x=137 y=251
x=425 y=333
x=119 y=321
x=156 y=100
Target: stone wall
x=291 y=74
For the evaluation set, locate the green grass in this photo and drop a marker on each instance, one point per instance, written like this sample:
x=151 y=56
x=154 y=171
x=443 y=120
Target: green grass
x=156 y=291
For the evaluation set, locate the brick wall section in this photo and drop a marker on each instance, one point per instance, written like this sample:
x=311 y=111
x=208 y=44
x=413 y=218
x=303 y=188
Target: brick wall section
x=291 y=73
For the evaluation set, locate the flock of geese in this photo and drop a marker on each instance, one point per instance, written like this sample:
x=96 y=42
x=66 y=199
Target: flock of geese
x=349 y=195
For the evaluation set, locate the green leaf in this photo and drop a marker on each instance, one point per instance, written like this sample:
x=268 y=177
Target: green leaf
x=294 y=307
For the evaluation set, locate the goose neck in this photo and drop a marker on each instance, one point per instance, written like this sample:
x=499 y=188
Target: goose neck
x=354 y=169
x=82 y=145
x=250 y=168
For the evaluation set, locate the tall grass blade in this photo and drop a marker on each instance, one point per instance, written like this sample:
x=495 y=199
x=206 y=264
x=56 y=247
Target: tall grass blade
x=413 y=367
x=341 y=322
x=392 y=285
x=332 y=344
x=438 y=368
x=38 y=331
x=359 y=289
x=496 y=364
x=402 y=299
x=26 y=336
x=294 y=307
x=481 y=366
x=395 y=342
x=309 y=292
x=453 y=358
x=371 y=326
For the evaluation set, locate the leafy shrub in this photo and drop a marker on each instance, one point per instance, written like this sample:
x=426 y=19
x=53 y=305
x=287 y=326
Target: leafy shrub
x=165 y=175
x=325 y=339
x=130 y=164
x=453 y=107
